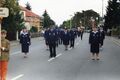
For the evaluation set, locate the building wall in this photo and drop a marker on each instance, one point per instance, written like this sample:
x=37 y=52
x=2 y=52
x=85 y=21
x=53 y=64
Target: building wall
x=33 y=21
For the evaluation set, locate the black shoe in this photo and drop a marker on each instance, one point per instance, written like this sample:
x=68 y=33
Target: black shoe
x=66 y=49
x=54 y=56
x=93 y=59
x=98 y=59
x=50 y=56
x=47 y=49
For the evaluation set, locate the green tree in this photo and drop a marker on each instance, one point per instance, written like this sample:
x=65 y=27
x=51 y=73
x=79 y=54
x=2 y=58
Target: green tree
x=87 y=18
x=28 y=6
x=47 y=21
x=112 y=17
x=33 y=29
x=66 y=24
x=14 y=21
x=1 y=3
x=84 y=17
x=76 y=19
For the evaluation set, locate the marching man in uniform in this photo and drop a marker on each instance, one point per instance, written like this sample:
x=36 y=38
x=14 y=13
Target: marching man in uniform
x=4 y=57
x=52 y=38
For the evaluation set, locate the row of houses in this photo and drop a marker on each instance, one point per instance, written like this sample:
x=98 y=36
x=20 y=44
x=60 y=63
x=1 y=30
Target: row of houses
x=31 y=19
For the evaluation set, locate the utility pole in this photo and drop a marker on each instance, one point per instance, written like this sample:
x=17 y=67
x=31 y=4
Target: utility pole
x=84 y=19
x=102 y=8
x=0 y=32
x=71 y=21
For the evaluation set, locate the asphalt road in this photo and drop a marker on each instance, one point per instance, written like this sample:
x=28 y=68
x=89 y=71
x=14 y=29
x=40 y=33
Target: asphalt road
x=74 y=64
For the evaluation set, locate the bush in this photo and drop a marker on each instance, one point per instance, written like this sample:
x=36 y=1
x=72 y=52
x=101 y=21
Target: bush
x=116 y=31
x=33 y=29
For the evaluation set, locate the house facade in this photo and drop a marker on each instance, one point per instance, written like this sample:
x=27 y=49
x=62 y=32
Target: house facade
x=31 y=19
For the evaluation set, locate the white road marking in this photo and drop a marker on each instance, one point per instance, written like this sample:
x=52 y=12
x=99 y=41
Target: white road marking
x=77 y=44
x=59 y=55
x=69 y=48
x=51 y=59
x=54 y=58
x=19 y=76
x=117 y=43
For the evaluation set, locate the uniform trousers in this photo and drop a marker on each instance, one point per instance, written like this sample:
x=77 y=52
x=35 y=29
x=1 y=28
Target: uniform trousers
x=52 y=50
x=72 y=42
x=3 y=69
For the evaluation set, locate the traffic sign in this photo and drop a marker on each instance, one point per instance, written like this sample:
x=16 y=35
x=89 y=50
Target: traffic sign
x=4 y=12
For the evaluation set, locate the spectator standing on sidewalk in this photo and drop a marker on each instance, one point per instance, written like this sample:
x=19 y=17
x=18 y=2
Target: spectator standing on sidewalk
x=4 y=56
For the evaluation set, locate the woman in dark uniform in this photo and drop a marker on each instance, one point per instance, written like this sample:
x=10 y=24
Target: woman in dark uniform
x=81 y=33
x=46 y=37
x=102 y=37
x=72 y=38
x=25 y=41
x=66 y=38
x=94 y=41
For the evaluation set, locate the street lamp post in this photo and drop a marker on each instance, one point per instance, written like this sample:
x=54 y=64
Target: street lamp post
x=93 y=22
x=71 y=21
x=80 y=23
x=84 y=17
x=0 y=36
x=102 y=7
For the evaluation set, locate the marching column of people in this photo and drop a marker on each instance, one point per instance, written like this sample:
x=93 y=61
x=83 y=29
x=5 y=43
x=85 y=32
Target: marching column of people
x=57 y=36
x=53 y=37
x=67 y=37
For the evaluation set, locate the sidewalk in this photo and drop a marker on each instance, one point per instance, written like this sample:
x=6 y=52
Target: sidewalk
x=15 y=43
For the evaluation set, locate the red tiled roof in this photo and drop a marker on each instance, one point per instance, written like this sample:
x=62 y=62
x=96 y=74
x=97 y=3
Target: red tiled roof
x=29 y=13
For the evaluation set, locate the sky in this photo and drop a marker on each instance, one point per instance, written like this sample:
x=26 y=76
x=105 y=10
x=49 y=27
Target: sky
x=61 y=10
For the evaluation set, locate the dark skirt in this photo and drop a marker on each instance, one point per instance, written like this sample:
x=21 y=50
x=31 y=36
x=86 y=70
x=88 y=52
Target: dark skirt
x=25 y=48
x=101 y=42
x=66 y=42
x=46 y=42
x=94 y=48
